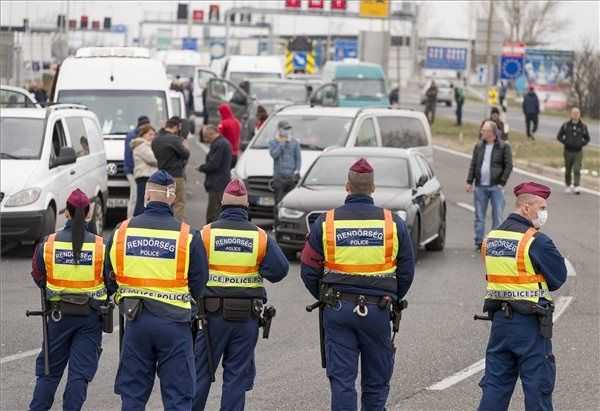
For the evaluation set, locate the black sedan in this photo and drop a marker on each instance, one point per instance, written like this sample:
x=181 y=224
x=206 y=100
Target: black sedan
x=404 y=183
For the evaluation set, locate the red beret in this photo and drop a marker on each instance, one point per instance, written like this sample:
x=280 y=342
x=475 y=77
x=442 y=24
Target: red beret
x=236 y=188
x=78 y=199
x=362 y=166
x=530 y=187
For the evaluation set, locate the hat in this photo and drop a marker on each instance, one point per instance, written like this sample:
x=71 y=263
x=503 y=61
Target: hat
x=161 y=178
x=530 y=187
x=78 y=199
x=361 y=166
x=143 y=120
x=361 y=177
x=284 y=125
x=235 y=194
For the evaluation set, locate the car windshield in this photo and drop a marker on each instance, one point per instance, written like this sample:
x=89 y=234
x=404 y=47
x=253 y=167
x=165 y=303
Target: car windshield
x=237 y=77
x=10 y=98
x=185 y=72
x=389 y=171
x=21 y=138
x=311 y=131
x=294 y=92
x=361 y=88
x=118 y=110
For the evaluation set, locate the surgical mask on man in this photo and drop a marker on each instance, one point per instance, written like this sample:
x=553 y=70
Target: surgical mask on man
x=285 y=133
x=540 y=220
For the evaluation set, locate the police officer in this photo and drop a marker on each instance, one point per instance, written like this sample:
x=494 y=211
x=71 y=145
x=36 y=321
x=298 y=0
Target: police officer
x=158 y=264
x=240 y=257
x=522 y=266
x=69 y=264
x=361 y=257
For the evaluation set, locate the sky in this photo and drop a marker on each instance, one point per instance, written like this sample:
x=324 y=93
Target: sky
x=454 y=19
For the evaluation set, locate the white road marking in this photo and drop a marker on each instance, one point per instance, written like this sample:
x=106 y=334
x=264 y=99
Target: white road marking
x=570 y=268
x=466 y=206
x=561 y=305
x=520 y=171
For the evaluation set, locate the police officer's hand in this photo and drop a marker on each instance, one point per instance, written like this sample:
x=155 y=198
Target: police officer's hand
x=469 y=188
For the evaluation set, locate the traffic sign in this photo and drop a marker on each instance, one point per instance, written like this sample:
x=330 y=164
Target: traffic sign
x=299 y=60
x=374 y=8
x=511 y=67
x=492 y=96
x=189 y=43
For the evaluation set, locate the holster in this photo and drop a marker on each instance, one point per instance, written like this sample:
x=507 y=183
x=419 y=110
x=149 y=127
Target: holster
x=131 y=308
x=73 y=305
x=106 y=312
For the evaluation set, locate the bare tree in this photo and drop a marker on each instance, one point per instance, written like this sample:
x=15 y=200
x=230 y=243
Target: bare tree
x=530 y=21
x=585 y=87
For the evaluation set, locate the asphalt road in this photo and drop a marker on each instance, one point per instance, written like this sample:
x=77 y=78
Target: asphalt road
x=437 y=338
x=475 y=112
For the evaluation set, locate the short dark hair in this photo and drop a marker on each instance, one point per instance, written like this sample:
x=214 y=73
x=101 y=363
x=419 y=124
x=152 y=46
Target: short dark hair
x=173 y=122
x=495 y=110
x=143 y=120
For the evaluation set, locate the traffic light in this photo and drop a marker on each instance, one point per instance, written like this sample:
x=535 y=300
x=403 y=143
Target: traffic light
x=107 y=23
x=232 y=18
x=182 y=11
x=246 y=18
x=213 y=13
x=72 y=24
x=198 y=16
x=83 y=23
x=316 y=4
x=338 y=4
x=61 y=21
x=293 y=4
x=95 y=24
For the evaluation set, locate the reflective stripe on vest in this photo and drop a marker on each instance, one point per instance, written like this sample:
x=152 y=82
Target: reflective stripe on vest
x=63 y=276
x=360 y=247
x=234 y=256
x=509 y=270
x=153 y=263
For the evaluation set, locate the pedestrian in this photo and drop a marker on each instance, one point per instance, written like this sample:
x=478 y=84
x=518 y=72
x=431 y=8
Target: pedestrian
x=490 y=168
x=144 y=163
x=500 y=126
x=431 y=101
x=230 y=127
x=573 y=135
x=522 y=266
x=287 y=161
x=129 y=165
x=394 y=96
x=217 y=169
x=240 y=257
x=68 y=265
x=158 y=266
x=358 y=274
x=172 y=153
x=261 y=118
x=459 y=99
x=502 y=95
x=531 y=109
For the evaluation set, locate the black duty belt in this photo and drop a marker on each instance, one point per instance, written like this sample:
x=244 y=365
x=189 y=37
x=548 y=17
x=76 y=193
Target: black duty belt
x=544 y=313
x=332 y=297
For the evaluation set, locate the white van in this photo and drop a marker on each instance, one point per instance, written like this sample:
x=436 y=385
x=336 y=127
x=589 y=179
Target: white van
x=182 y=63
x=46 y=153
x=119 y=84
x=239 y=68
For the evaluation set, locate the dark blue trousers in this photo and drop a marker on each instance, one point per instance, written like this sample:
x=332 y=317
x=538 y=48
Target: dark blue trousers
x=516 y=349
x=76 y=341
x=153 y=345
x=348 y=336
x=234 y=341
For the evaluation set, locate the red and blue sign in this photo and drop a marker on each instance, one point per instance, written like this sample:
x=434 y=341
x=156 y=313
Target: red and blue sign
x=446 y=58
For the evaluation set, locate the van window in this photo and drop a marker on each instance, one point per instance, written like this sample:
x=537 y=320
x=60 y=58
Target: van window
x=366 y=135
x=21 y=138
x=14 y=99
x=176 y=105
x=401 y=132
x=94 y=137
x=59 y=139
x=79 y=139
x=425 y=166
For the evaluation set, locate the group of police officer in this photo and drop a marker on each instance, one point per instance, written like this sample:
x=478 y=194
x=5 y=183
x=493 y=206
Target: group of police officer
x=190 y=299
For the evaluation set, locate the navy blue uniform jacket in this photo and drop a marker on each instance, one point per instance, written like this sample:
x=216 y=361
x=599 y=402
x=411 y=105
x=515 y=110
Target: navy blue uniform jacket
x=313 y=256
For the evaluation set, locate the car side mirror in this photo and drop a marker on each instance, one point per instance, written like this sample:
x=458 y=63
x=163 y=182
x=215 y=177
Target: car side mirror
x=422 y=181
x=66 y=155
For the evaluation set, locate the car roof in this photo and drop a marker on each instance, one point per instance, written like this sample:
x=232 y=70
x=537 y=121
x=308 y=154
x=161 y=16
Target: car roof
x=24 y=112
x=278 y=81
x=368 y=152
x=304 y=109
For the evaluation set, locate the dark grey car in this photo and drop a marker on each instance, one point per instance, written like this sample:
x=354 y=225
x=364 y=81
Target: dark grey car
x=404 y=183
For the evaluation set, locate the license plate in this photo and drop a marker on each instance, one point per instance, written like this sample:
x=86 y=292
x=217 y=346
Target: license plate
x=266 y=201
x=117 y=202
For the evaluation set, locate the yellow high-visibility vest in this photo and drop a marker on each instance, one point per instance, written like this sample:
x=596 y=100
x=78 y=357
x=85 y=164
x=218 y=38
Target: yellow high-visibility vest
x=63 y=276
x=234 y=256
x=362 y=249
x=152 y=264
x=509 y=271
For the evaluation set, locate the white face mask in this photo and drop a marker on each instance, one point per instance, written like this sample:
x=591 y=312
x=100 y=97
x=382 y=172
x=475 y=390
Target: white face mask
x=542 y=217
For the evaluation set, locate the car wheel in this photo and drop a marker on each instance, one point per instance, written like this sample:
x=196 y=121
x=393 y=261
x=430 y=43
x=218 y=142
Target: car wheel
x=98 y=216
x=49 y=222
x=416 y=237
x=440 y=241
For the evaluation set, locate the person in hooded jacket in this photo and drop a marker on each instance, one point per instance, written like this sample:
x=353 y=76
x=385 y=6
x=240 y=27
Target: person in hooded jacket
x=230 y=127
x=145 y=163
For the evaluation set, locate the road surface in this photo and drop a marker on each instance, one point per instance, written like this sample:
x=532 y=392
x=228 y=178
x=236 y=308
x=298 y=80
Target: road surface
x=438 y=337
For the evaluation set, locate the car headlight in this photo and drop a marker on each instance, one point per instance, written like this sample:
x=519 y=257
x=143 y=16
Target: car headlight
x=23 y=197
x=402 y=214
x=289 y=213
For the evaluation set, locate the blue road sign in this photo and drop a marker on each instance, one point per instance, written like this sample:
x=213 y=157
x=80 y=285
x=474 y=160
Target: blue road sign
x=446 y=58
x=189 y=43
x=511 y=67
x=299 y=60
x=346 y=49
x=118 y=28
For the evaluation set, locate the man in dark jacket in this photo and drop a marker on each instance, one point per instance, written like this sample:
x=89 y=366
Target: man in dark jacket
x=172 y=152
x=491 y=165
x=128 y=164
x=574 y=135
x=431 y=102
x=217 y=169
x=500 y=129
x=531 y=109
